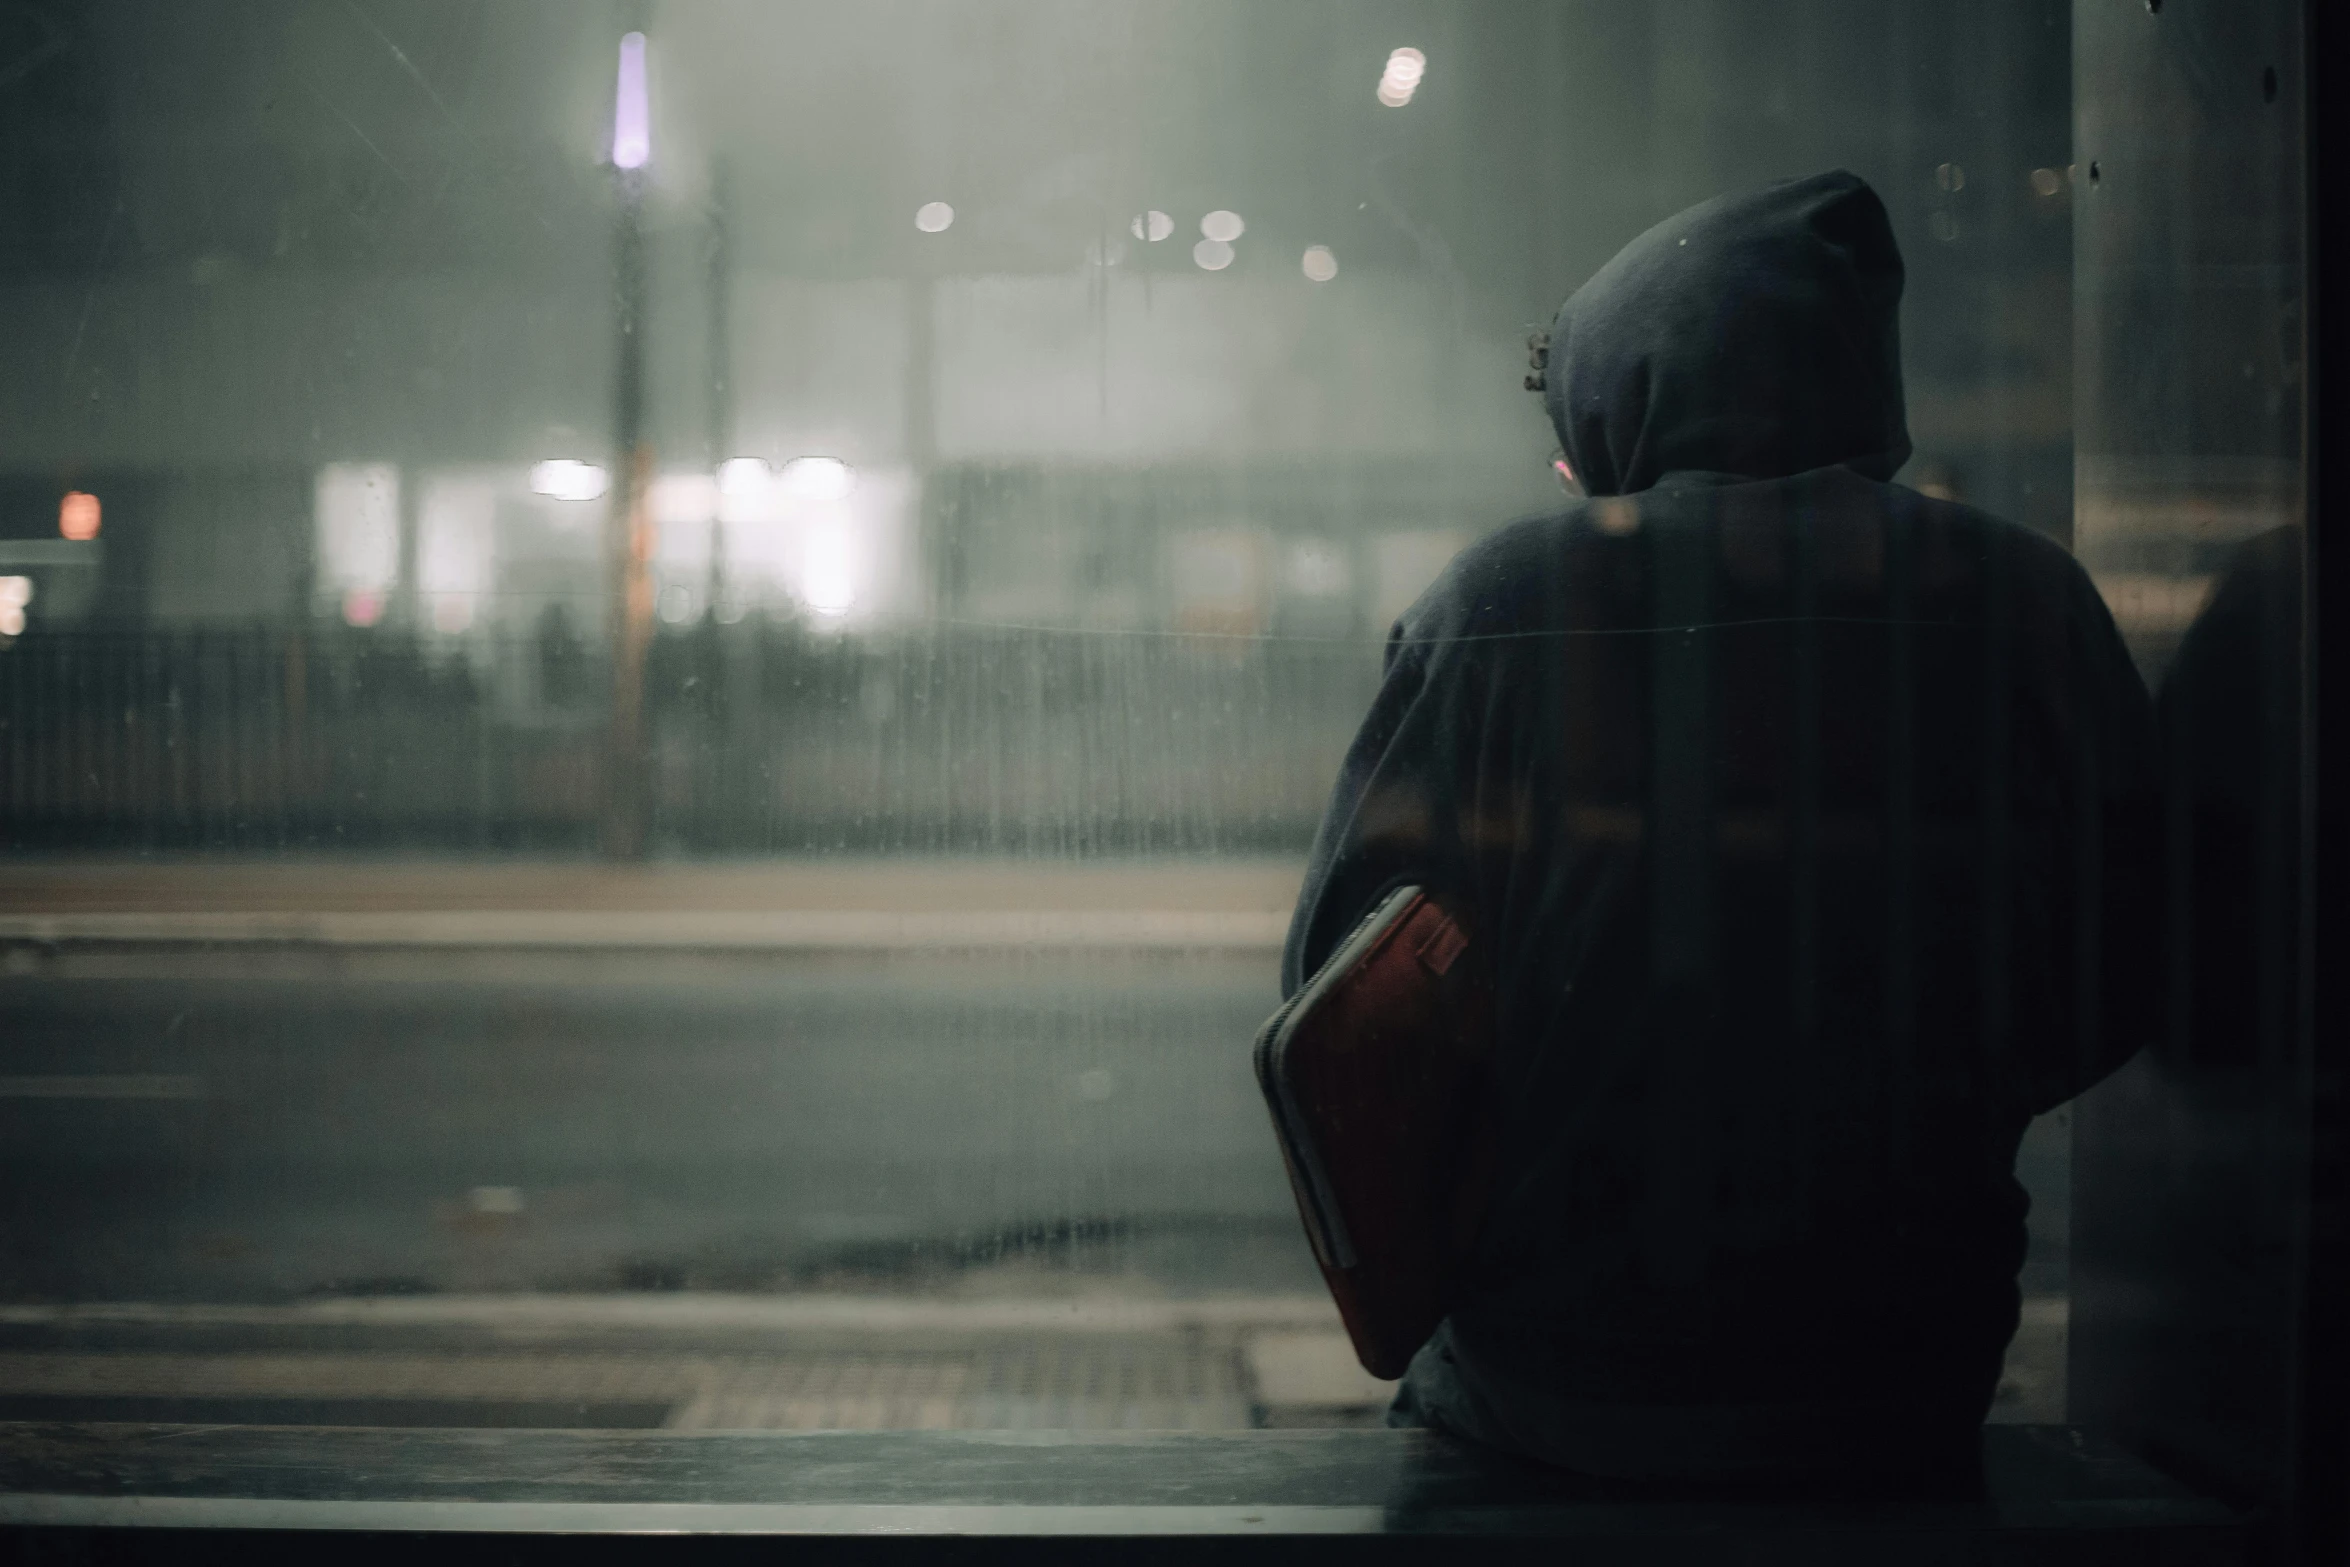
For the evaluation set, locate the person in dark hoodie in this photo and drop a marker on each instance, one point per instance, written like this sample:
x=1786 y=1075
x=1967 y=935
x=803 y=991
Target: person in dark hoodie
x=1810 y=827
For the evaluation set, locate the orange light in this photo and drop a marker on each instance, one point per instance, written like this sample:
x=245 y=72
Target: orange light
x=77 y=515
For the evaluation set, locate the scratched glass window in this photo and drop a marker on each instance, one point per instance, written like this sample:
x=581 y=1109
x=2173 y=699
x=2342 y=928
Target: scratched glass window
x=666 y=669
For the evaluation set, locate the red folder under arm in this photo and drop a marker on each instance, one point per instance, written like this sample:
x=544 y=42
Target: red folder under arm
x=1375 y=1074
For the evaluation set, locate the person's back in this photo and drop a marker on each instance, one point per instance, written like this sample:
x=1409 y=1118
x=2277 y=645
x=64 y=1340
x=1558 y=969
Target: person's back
x=1809 y=824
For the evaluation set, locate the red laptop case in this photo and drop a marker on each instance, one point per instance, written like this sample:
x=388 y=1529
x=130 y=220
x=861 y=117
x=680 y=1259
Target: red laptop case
x=1375 y=1073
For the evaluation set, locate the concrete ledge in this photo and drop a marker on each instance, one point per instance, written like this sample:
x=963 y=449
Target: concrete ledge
x=2051 y=1494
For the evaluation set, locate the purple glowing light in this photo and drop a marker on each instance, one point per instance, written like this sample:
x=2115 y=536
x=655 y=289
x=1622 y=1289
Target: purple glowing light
x=632 y=120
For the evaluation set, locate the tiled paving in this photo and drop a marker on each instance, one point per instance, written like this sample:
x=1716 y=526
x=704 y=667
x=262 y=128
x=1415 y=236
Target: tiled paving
x=1090 y=1383
x=935 y=1365
x=807 y=1364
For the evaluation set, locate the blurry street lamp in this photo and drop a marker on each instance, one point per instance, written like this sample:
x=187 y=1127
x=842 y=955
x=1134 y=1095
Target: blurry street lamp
x=1151 y=226
x=632 y=119
x=1319 y=264
x=626 y=805
x=933 y=217
x=1222 y=226
x=1213 y=255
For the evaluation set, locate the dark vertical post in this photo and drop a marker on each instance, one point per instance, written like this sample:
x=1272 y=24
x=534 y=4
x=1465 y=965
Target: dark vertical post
x=2322 y=1415
x=301 y=606
x=2198 y=1186
x=404 y=605
x=921 y=424
x=716 y=759
x=626 y=823
x=2322 y=767
x=718 y=350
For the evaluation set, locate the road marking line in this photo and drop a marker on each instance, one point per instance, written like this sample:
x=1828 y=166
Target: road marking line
x=128 y=1085
x=863 y=1314
x=780 y=930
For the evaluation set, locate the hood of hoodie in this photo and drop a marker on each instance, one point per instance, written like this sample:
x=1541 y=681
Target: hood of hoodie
x=1754 y=335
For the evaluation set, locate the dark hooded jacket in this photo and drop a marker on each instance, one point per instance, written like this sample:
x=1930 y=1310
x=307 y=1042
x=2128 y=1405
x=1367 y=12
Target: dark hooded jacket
x=1808 y=825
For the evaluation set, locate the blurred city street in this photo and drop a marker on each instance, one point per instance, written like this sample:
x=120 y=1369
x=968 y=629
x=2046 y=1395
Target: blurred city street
x=574 y=1077
x=842 y=1142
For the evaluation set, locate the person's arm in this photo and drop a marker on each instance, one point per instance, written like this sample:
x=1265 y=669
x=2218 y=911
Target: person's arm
x=1407 y=789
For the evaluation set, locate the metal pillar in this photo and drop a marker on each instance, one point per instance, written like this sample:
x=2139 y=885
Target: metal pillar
x=626 y=824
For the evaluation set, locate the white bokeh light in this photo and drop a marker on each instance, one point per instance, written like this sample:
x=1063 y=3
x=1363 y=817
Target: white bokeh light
x=828 y=570
x=1317 y=568
x=15 y=594
x=456 y=551
x=683 y=497
x=568 y=479
x=1151 y=226
x=743 y=476
x=826 y=537
x=933 y=217
x=1222 y=225
x=1213 y=255
x=1319 y=264
x=632 y=119
x=357 y=521
x=816 y=479
x=1402 y=77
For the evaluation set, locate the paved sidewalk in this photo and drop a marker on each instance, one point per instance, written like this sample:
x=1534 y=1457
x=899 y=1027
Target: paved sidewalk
x=697 y=1362
x=706 y=1361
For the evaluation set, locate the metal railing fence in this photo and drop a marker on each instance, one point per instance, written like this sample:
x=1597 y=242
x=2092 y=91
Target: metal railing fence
x=764 y=738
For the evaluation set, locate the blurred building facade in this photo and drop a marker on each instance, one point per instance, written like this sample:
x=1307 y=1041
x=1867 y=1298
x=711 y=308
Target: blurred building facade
x=306 y=299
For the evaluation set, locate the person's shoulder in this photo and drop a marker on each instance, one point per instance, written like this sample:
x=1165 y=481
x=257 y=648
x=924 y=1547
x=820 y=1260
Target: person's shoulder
x=2049 y=596
x=2030 y=555
x=1510 y=580
x=1490 y=573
